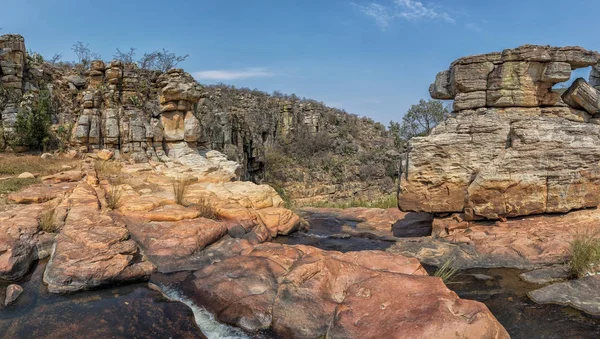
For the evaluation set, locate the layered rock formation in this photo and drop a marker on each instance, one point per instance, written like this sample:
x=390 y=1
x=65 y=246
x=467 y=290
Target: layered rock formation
x=272 y=136
x=12 y=66
x=146 y=115
x=512 y=146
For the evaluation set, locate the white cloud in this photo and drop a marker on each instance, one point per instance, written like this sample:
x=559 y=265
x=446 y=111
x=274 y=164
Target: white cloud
x=416 y=10
x=233 y=74
x=381 y=14
x=409 y=10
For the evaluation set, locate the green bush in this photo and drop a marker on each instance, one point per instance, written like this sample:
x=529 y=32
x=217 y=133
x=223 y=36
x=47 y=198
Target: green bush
x=32 y=128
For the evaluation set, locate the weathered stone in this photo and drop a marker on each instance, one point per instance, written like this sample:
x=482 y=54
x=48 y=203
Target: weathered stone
x=303 y=292
x=26 y=175
x=77 y=81
x=557 y=72
x=505 y=162
x=191 y=127
x=520 y=77
x=442 y=87
x=174 y=126
x=546 y=275
x=526 y=242
x=519 y=84
x=93 y=248
x=471 y=100
x=13 y=291
x=471 y=77
x=581 y=294
x=582 y=95
x=40 y=193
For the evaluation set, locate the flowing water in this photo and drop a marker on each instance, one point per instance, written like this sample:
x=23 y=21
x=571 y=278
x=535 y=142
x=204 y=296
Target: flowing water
x=126 y=311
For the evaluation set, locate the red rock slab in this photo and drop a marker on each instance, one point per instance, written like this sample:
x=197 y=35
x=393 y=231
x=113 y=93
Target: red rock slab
x=171 y=245
x=66 y=176
x=408 y=306
x=93 y=248
x=304 y=292
x=19 y=240
x=542 y=239
x=170 y=212
x=41 y=192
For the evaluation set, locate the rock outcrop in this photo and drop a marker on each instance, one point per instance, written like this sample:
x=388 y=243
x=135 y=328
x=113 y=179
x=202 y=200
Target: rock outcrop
x=144 y=115
x=93 y=248
x=303 y=292
x=512 y=146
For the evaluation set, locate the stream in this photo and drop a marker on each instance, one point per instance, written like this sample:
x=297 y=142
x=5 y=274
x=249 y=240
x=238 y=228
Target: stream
x=137 y=311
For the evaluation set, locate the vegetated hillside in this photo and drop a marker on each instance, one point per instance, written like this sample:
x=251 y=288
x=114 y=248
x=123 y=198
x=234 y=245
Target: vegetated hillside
x=307 y=150
x=148 y=110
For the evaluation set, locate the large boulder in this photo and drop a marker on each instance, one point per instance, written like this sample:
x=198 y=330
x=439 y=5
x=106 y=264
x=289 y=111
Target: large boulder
x=303 y=292
x=512 y=147
x=496 y=163
x=519 y=77
x=93 y=248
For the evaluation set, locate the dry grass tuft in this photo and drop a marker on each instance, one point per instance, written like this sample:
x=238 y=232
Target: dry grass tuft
x=179 y=186
x=206 y=209
x=15 y=164
x=107 y=169
x=585 y=253
x=46 y=222
x=446 y=272
x=113 y=197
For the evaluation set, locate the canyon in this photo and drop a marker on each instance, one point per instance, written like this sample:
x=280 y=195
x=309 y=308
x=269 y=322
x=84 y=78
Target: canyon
x=162 y=212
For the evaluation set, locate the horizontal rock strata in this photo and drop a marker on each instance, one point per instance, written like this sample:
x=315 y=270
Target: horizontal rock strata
x=512 y=147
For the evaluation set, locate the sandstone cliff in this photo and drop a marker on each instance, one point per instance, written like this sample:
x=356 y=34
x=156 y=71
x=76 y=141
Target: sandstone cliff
x=513 y=146
x=303 y=146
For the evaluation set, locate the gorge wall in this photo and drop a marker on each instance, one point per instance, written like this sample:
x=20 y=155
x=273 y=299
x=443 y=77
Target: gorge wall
x=306 y=148
x=513 y=146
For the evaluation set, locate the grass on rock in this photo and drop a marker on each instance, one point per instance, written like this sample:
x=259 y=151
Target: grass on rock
x=15 y=164
x=446 y=272
x=388 y=201
x=585 y=253
x=179 y=186
x=107 y=169
x=206 y=209
x=11 y=165
x=46 y=221
x=113 y=197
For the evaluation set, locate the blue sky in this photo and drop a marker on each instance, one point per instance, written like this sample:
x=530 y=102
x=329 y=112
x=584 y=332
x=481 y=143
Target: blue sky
x=372 y=58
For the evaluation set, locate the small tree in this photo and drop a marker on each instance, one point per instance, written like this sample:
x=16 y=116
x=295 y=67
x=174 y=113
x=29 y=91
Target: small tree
x=84 y=54
x=394 y=130
x=32 y=126
x=125 y=57
x=422 y=118
x=162 y=60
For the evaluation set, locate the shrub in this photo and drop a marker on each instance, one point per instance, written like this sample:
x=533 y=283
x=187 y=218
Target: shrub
x=113 y=197
x=446 y=272
x=585 y=253
x=32 y=126
x=46 y=222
